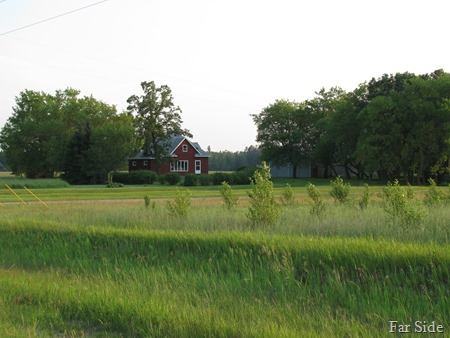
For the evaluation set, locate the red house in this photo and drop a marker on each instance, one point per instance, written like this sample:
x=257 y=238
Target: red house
x=185 y=157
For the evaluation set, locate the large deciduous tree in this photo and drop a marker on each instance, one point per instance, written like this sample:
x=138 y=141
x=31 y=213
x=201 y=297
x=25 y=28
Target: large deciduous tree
x=157 y=119
x=101 y=143
x=396 y=125
x=43 y=136
x=286 y=132
x=406 y=131
x=98 y=148
x=34 y=137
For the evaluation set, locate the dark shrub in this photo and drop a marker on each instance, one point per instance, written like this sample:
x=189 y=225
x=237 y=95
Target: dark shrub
x=204 y=179
x=161 y=179
x=190 y=180
x=119 y=177
x=171 y=178
x=218 y=178
x=242 y=176
x=135 y=177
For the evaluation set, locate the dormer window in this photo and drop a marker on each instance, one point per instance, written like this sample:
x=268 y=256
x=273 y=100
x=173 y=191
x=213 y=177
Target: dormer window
x=185 y=148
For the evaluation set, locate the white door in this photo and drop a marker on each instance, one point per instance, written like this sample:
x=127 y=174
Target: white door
x=198 y=166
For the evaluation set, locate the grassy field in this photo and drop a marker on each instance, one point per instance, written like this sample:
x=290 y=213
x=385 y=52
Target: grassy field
x=120 y=269
x=58 y=190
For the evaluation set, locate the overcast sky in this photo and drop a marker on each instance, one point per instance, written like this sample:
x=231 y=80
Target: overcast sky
x=223 y=59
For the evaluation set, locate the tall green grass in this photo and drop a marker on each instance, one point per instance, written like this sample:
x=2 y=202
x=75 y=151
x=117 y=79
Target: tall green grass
x=342 y=221
x=121 y=269
x=183 y=284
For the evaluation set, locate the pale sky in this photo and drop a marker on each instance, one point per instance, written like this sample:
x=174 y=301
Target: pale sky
x=223 y=59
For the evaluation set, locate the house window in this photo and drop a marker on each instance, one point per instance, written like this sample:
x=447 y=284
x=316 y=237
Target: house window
x=145 y=163
x=133 y=163
x=185 y=148
x=181 y=165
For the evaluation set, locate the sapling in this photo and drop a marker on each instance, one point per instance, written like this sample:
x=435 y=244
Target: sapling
x=399 y=207
x=317 y=205
x=287 y=196
x=180 y=206
x=433 y=196
x=339 y=190
x=363 y=202
x=263 y=209
x=229 y=199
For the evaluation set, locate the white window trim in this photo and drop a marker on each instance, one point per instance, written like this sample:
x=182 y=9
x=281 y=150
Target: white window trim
x=184 y=147
x=133 y=163
x=179 y=166
x=145 y=163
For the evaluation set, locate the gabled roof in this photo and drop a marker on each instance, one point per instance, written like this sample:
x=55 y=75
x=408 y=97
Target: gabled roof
x=177 y=140
x=173 y=145
x=141 y=156
x=200 y=151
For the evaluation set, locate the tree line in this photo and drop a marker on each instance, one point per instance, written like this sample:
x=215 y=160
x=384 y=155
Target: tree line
x=61 y=132
x=394 y=126
x=232 y=161
x=83 y=138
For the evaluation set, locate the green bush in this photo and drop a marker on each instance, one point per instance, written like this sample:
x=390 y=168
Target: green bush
x=135 y=177
x=363 y=202
x=229 y=199
x=409 y=192
x=433 y=196
x=243 y=176
x=218 y=178
x=204 y=179
x=340 y=191
x=401 y=210
x=317 y=205
x=287 y=196
x=190 y=180
x=170 y=178
x=180 y=206
x=147 y=203
x=263 y=210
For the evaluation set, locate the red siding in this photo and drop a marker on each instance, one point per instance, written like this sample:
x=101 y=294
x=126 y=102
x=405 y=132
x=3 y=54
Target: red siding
x=140 y=165
x=165 y=167
x=190 y=157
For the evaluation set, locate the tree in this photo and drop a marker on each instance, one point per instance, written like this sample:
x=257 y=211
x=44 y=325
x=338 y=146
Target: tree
x=157 y=119
x=231 y=161
x=325 y=106
x=263 y=209
x=3 y=165
x=286 y=132
x=407 y=130
x=75 y=160
x=35 y=136
x=44 y=129
x=111 y=144
x=100 y=146
x=340 y=132
x=424 y=112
